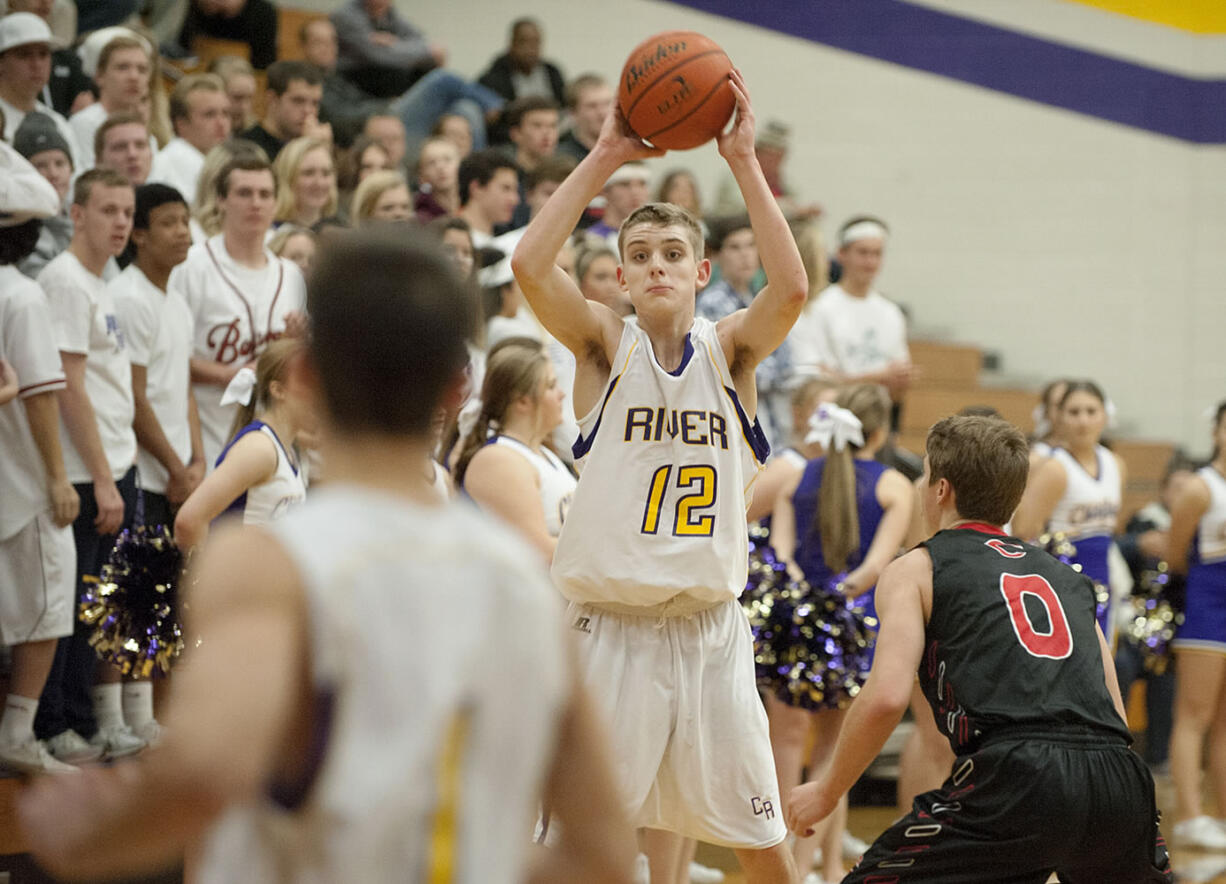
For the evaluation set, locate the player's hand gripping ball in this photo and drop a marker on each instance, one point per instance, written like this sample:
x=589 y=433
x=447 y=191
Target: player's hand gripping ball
x=674 y=90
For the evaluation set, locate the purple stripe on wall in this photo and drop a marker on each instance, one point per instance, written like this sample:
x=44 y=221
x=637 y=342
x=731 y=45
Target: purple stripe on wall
x=996 y=58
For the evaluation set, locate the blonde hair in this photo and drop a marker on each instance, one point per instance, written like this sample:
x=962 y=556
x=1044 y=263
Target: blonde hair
x=514 y=370
x=286 y=167
x=664 y=215
x=838 y=517
x=367 y=195
x=284 y=234
x=205 y=211
x=272 y=365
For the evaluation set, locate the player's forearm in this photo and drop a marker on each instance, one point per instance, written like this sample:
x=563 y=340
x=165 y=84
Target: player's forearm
x=151 y=437
x=42 y=411
x=82 y=426
x=216 y=374
x=785 y=272
x=869 y=724
x=547 y=233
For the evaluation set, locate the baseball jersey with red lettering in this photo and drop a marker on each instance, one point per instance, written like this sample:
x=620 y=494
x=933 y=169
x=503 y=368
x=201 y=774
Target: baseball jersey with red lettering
x=236 y=311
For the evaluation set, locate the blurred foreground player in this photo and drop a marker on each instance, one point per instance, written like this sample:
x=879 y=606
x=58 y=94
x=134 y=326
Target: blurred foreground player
x=1021 y=683
x=381 y=741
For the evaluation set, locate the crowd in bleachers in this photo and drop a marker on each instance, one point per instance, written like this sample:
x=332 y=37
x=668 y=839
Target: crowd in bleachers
x=163 y=247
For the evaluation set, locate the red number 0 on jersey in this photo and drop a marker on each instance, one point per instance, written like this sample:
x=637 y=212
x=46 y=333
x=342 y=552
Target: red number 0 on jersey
x=1057 y=642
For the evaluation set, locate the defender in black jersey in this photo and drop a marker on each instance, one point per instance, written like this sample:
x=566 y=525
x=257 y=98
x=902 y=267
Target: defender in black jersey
x=1020 y=680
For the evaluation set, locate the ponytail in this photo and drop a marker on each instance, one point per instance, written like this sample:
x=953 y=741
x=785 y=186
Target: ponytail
x=272 y=366
x=838 y=514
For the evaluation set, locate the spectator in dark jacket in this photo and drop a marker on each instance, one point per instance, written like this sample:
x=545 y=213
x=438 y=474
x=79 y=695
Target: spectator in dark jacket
x=253 y=22
x=521 y=72
x=380 y=51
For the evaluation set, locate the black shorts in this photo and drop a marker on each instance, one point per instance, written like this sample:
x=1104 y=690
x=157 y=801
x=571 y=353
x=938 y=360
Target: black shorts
x=1020 y=809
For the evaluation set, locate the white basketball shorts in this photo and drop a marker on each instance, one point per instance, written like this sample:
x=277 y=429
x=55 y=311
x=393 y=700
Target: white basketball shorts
x=37 y=571
x=691 y=744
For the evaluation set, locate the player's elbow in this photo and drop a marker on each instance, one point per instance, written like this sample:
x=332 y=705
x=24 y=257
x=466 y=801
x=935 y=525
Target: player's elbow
x=526 y=265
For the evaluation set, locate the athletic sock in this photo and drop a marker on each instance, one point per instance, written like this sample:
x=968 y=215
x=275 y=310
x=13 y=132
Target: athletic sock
x=17 y=723
x=137 y=703
x=108 y=709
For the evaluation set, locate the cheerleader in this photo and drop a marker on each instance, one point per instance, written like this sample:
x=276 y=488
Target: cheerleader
x=1077 y=490
x=840 y=522
x=1197 y=547
x=1046 y=421
x=503 y=464
x=257 y=476
x=787 y=464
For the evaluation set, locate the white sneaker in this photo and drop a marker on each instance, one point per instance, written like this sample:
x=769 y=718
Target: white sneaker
x=117 y=741
x=700 y=874
x=853 y=847
x=32 y=757
x=1200 y=832
x=72 y=748
x=150 y=732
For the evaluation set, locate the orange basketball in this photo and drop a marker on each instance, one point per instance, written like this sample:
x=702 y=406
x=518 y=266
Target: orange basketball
x=674 y=90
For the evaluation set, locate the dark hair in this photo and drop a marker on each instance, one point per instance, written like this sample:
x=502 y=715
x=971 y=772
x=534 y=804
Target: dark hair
x=245 y=163
x=18 y=242
x=985 y=459
x=722 y=228
x=515 y=112
x=554 y=168
x=1083 y=387
x=480 y=167
x=150 y=197
x=349 y=163
x=282 y=73
x=119 y=118
x=97 y=177
x=523 y=22
x=386 y=349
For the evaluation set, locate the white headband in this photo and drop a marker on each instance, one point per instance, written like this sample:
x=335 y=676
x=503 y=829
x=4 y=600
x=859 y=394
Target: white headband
x=833 y=427
x=240 y=388
x=863 y=230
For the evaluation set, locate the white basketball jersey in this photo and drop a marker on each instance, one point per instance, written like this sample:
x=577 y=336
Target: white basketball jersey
x=1090 y=506
x=441 y=662
x=660 y=508
x=1211 y=534
x=557 y=482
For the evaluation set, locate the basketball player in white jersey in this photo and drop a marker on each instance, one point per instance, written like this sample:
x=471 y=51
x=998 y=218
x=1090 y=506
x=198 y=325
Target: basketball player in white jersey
x=381 y=741
x=242 y=295
x=654 y=549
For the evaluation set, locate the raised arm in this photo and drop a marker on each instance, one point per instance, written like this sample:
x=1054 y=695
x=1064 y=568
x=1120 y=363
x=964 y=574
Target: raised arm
x=749 y=337
x=552 y=294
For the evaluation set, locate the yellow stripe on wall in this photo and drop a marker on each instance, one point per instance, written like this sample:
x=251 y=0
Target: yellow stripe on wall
x=445 y=836
x=1197 y=16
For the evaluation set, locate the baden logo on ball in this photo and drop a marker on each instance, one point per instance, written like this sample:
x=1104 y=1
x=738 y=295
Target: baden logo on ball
x=674 y=90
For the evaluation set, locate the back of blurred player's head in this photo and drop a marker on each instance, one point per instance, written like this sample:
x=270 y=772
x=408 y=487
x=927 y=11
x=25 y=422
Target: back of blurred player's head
x=389 y=320
x=985 y=459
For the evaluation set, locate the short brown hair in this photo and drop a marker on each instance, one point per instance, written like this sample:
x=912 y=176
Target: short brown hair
x=117 y=43
x=985 y=459
x=386 y=350
x=97 y=177
x=244 y=163
x=663 y=215
x=576 y=87
x=555 y=168
x=179 y=108
x=119 y=118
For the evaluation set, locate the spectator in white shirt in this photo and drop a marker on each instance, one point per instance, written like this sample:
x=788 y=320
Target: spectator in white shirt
x=200 y=114
x=25 y=70
x=122 y=143
x=99 y=452
x=242 y=296
x=851 y=333
x=122 y=77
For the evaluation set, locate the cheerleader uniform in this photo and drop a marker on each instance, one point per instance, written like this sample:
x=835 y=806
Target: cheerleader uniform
x=269 y=500
x=1086 y=515
x=557 y=482
x=1204 y=626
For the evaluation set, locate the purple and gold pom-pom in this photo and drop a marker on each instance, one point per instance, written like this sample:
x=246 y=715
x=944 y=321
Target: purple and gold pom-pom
x=133 y=607
x=1154 y=619
x=1061 y=548
x=810 y=644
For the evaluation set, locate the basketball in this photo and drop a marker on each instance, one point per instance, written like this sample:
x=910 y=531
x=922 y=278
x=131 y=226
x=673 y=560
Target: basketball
x=674 y=90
